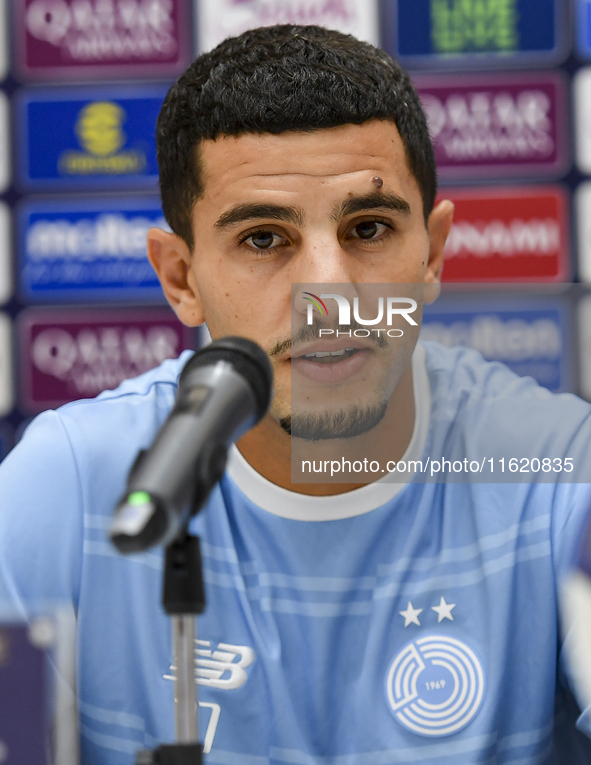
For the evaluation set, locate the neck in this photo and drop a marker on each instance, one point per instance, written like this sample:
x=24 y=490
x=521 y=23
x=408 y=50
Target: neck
x=268 y=448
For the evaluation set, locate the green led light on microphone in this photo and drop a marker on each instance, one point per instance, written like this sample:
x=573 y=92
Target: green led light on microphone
x=139 y=498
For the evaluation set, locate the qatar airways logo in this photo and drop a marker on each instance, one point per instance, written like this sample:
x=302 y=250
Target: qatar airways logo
x=387 y=309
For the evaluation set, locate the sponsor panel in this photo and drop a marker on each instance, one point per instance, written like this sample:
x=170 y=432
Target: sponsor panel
x=583 y=27
x=92 y=249
x=3 y=39
x=5 y=150
x=530 y=336
x=495 y=33
x=497 y=125
x=89 y=138
x=23 y=680
x=584 y=320
x=218 y=19
x=583 y=211
x=67 y=354
x=5 y=254
x=6 y=365
x=66 y=39
x=6 y=439
x=38 y=723
x=507 y=234
x=21 y=427
x=582 y=98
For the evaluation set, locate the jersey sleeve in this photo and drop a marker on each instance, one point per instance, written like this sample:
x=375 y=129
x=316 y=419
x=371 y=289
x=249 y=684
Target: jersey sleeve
x=41 y=520
x=572 y=511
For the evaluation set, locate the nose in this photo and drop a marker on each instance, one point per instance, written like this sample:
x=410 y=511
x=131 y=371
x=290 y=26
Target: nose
x=321 y=268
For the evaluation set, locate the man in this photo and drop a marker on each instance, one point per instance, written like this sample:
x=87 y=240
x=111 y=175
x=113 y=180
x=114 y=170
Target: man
x=346 y=623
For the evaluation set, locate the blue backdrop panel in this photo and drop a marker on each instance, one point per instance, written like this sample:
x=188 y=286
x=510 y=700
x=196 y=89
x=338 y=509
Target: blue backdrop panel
x=475 y=33
x=88 y=138
x=91 y=249
x=531 y=336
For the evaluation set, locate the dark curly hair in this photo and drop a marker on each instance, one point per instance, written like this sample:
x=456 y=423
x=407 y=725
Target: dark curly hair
x=276 y=79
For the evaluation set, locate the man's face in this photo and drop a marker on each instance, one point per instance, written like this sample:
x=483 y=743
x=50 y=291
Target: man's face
x=305 y=208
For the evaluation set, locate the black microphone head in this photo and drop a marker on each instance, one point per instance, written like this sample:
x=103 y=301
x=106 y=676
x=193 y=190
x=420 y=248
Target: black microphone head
x=246 y=357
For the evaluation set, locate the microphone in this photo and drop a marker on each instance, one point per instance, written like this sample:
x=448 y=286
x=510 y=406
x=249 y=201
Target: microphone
x=224 y=390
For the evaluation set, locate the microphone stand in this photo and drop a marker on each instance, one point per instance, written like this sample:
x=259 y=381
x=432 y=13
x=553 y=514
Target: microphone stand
x=235 y=376
x=183 y=598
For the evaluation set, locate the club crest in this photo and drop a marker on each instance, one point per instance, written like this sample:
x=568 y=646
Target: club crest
x=435 y=686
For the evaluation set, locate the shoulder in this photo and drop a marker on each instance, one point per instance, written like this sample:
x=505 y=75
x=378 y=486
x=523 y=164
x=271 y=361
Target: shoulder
x=152 y=385
x=101 y=436
x=460 y=374
x=485 y=408
x=460 y=368
x=150 y=395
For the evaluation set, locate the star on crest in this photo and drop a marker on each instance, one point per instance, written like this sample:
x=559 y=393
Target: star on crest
x=411 y=615
x=443 y=610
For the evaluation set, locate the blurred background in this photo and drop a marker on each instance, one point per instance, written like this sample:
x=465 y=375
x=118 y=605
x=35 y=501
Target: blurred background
x=506 y=85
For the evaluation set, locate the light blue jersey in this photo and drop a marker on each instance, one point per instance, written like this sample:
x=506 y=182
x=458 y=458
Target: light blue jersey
x=398 y=623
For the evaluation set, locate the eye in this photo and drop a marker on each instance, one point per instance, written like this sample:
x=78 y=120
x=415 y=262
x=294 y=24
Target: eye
x=369 y=229
x=263 y=240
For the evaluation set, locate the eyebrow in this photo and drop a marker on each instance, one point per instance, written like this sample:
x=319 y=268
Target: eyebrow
x=245 y=212
x=375 y=200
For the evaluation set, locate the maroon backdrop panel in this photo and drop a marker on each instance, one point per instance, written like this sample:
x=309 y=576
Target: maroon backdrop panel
x=72 y=354
x=69 y=39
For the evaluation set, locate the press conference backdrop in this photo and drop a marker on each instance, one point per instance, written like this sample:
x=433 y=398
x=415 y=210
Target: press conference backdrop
x=506 y=85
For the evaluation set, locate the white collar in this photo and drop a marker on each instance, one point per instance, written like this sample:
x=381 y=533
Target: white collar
x=303 y=507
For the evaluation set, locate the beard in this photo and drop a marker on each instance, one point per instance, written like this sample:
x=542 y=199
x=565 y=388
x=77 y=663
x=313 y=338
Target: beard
x=346 y=422
x=342 y=423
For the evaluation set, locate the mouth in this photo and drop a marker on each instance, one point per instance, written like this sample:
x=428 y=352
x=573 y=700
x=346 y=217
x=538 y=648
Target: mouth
x=330 y=364
x=329 y=357
x=329 y=350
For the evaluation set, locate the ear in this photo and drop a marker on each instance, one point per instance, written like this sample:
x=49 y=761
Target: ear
x=171 y=259
x=438 y=227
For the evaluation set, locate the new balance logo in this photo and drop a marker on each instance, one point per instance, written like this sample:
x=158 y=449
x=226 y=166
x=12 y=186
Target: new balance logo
x=224 y=668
